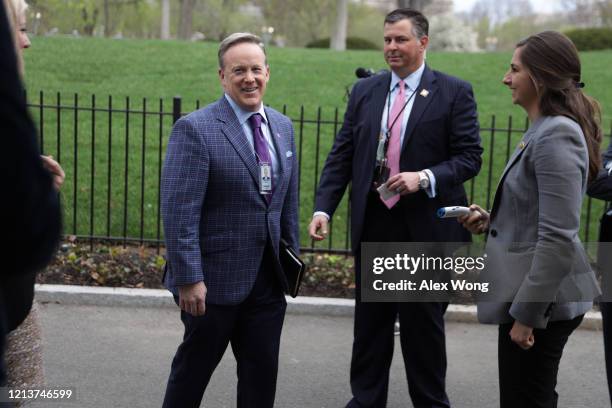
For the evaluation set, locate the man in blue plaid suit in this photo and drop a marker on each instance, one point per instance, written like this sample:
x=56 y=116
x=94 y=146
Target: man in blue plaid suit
x=229 y=193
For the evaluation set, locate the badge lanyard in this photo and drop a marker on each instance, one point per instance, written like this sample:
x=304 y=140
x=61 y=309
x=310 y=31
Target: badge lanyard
x=265 y=172
x=383 y=139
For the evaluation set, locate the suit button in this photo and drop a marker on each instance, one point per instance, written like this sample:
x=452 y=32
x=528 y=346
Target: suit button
x=493 y=233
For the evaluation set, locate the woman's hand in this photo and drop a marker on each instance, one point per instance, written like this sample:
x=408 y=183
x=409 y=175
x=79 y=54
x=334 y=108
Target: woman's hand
x=477 y=221
x=522 y=335
x=56 y=171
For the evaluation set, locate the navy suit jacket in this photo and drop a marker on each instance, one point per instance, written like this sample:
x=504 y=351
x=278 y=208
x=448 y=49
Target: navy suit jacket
x=601 y=187
x=216 y=222
x=441 y=135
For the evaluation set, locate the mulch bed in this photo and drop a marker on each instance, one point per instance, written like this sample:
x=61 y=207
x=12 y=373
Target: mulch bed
x=133 y=266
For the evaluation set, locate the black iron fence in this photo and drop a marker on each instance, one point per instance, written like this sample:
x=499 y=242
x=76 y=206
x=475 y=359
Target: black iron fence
x=112 y=151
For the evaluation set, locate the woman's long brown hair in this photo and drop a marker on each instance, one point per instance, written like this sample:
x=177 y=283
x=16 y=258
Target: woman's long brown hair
x=553 y=62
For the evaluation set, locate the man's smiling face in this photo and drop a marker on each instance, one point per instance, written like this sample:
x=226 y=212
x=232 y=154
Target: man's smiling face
x=245 y=74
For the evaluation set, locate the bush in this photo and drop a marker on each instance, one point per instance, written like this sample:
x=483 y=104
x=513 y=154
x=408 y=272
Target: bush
x=587 y=39
x=448 y=33
x=352 y=43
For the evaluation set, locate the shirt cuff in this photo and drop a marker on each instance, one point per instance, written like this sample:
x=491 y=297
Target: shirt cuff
x=431 y=191
x=608 y=167
x=321 y=213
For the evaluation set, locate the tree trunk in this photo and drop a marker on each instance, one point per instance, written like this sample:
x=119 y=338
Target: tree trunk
x=89 y=27
x=185 y=27
x=106 y=19
x=338 y=40
x=165 y=19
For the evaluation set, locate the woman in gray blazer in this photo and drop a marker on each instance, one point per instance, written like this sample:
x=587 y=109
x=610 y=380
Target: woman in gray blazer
x=535 y=258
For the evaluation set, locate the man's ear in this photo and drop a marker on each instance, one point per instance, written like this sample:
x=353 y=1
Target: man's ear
x=424 y=40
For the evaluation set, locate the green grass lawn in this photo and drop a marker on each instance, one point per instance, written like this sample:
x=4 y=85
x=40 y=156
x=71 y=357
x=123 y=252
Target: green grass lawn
x=308 y=77
x=302 y=80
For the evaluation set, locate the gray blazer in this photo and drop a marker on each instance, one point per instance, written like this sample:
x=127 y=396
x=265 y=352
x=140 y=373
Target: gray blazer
x=537 y=267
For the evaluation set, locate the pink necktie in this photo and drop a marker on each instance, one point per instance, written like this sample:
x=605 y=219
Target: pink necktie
x=394 y=148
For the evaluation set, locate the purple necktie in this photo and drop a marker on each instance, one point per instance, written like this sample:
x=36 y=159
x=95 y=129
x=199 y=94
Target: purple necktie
x=261 y=147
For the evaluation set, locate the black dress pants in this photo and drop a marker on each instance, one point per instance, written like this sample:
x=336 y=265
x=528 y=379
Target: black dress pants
x=253 y=329
x=421 y=330
x=527 y=378
x=606 y=317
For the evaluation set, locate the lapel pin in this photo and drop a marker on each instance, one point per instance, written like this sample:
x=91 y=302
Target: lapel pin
x=424 y=93
x=521 y=145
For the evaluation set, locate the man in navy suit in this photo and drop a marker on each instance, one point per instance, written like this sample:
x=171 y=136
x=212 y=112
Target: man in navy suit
x=414 y=132
x=229 y=194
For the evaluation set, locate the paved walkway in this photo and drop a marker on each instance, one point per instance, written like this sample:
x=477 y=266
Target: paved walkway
x=120 y=357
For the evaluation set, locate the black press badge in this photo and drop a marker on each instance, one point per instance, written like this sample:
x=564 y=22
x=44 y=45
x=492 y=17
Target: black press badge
x=381 y=175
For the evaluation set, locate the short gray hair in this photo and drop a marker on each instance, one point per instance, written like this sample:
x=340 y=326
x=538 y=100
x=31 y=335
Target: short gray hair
x=239 y=38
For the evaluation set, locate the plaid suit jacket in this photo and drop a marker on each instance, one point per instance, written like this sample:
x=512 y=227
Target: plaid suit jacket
x=216 y=222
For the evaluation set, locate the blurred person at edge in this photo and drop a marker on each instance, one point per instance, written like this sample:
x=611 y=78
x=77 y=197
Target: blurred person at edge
x=17 y=20
x=544 y=182
x=23 y=355
x=601 y=188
